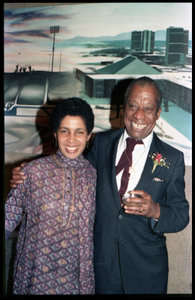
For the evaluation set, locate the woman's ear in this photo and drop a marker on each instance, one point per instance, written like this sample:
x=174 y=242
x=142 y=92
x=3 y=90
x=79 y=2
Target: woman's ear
x=56 y=141
x=88 y=138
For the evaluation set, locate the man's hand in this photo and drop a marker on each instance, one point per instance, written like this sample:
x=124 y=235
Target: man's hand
x=17 y=176
x=147 y=207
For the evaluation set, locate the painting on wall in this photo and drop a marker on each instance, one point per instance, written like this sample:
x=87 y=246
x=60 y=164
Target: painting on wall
x=93 y=51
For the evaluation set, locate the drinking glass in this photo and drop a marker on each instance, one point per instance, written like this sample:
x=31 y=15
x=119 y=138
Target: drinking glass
x=129 y=195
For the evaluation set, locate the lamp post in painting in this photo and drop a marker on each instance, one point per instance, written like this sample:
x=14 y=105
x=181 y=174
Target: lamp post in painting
x=53 y=29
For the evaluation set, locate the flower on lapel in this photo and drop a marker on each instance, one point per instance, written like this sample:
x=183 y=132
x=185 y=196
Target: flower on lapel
x=159 y=160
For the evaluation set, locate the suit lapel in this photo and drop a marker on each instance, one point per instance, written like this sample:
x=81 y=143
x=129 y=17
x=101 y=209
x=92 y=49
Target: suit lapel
x=147 y=175
x=111 y=150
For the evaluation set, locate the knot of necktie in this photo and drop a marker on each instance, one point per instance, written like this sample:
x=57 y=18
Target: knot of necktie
x=131 y=144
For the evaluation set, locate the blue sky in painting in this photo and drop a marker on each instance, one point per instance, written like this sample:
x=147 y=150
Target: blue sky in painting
x=27 y=31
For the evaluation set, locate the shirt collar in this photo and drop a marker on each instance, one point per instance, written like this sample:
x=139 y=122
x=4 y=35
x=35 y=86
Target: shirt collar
x=76 y=162
x=147 y=141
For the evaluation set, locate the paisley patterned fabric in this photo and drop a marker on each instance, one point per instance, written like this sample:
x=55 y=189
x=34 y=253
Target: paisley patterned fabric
x=55 y=242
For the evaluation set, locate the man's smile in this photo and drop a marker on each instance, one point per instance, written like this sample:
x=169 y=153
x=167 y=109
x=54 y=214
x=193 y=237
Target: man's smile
x=139 y=126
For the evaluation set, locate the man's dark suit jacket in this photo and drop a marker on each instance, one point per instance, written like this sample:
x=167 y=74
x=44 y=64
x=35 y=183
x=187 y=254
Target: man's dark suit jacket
x=142 y=250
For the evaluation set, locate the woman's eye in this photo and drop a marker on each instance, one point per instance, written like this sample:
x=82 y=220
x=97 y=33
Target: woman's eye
x=63 y=131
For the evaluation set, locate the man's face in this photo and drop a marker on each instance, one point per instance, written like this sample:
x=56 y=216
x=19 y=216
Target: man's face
x=141 y=111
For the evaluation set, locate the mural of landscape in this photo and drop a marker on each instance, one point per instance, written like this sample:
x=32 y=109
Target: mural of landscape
x=93 y=51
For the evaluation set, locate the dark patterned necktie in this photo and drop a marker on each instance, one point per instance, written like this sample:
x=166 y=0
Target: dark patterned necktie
x=125 y=163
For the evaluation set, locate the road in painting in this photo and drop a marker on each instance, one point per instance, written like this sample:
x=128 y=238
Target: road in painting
x=29 y=99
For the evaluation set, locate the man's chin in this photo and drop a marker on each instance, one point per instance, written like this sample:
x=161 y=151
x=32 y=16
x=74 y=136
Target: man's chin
x=138 y=134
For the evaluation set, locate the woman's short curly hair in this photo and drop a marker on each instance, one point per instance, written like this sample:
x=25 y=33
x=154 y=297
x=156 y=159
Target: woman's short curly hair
x=72 y=107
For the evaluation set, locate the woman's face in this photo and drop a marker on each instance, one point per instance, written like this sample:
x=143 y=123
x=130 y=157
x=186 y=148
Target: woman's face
x=72 y=136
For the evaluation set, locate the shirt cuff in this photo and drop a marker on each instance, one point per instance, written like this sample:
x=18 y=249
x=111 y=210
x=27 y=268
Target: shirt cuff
x=153 y=223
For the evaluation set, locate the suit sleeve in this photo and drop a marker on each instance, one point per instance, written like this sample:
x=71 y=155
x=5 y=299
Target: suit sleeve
x=92 y=155
x=174 y=215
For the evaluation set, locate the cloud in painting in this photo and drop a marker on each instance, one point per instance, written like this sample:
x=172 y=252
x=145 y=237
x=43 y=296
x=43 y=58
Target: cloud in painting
x=13 y=41
x=38 y=33
x=34 y=32
x=20 y=18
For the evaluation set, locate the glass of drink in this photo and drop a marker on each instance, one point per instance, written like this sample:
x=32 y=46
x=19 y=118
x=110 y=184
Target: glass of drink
x=130 y=195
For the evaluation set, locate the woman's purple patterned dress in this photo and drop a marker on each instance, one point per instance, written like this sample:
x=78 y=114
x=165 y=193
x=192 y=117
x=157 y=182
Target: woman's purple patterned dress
x=55 y=242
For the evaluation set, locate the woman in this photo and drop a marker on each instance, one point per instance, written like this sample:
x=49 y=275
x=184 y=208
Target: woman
x=56 y=204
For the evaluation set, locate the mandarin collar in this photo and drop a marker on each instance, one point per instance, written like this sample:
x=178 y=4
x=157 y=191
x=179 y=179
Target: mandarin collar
x=70 y=162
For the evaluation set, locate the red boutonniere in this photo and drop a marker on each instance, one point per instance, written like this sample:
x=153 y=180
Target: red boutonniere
x=159 y=160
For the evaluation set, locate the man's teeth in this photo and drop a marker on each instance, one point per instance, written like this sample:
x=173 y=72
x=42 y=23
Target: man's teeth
x=139 y=126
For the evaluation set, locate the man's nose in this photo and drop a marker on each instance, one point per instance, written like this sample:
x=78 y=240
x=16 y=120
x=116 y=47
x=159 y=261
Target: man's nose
x=139 y=114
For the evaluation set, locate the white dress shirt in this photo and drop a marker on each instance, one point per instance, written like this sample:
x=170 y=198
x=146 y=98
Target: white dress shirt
x=139 y=157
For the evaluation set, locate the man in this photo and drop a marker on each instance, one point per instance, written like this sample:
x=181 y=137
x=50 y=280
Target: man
x=130 y=255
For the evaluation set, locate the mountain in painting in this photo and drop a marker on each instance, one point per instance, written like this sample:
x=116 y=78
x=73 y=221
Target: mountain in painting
x=159 y=35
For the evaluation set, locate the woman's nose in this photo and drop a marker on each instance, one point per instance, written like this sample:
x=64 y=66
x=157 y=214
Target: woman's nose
x=71 y=138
